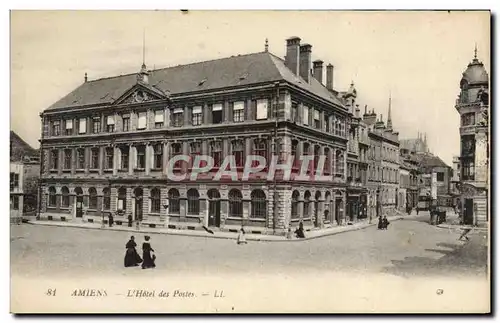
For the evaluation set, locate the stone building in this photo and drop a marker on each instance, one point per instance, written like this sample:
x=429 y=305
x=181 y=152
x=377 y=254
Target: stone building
x=473 y=105
x=106 y=145
x=357 y=162
x=24 y=175
x=383 y=167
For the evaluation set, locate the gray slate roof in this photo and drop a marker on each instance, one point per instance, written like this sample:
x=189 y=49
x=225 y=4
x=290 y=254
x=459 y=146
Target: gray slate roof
x=222 y=73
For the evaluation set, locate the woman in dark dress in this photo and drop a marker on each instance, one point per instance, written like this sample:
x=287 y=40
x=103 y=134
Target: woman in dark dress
x=299 y=233
x=132 y=258
x=380 y=223
x=148 y=255
x=386 y=222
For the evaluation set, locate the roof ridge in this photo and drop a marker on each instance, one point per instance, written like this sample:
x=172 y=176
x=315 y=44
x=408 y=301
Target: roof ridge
x=179 y=65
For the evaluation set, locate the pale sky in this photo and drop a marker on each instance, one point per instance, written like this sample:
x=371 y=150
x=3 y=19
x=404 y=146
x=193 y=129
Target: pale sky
x=417 y=56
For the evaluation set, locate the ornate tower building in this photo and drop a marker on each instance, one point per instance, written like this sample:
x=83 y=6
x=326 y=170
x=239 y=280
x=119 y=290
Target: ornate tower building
x=473 y=105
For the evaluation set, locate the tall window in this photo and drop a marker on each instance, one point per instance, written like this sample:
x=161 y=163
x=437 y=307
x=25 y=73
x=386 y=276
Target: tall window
x=295 y=203
x=15 y=202
x=141 y=156
x=94 y=158
x=307 y=204
x=306 y=150
x=260 y=148
x=14 y=181
x=80 y=158
x=54 y=159
x=468 y=119
x=296 y=160
x=159 y=118
x=110 y=123
x=122 y=199
x=468 y=145
x=67 y=158
x=316 y=157
x=262 y=109
x=176 y=149
x=158 y=156
x=197 y=116
x=316 y=119
x=124 y=152
x=64 y=197
x=141 y=121
x=106 y=199
x=193 y=199
x=259 y=204
x=155 y=200
x=339 y=163
x=468 y=170
x=235 y=204
x=237 y=148
x=305 y=115
x=109 y=157
x=178 y=117
x=195 y=150
x=56 y=128
x=92 y=198
x=52 y=197
x=328 y=163
x=326 y=121
x=216 y=152
x=82 y=126
x=217 y=113
x=239 y=111
x=96 y=125
x=68 y=127
x=126 y=122
x=173 y=201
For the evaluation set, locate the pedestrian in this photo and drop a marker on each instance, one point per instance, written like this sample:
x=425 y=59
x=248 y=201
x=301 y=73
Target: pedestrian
x=130 y=220
x=110 y=220
x=132 y=258
x=380 y=223
x=289 y=233
x=241 y=237
x=299 y=233
x=385 y=222
x=148 y=254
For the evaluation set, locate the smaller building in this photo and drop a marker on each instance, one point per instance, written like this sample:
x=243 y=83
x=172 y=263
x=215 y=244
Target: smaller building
x=16 y=191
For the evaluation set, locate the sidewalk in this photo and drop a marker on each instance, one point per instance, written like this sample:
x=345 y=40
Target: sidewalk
x=313 y=234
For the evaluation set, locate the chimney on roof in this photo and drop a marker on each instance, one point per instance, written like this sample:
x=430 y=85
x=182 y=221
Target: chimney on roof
x=305 y=62
x=292 y=54
x=318 y=70
x=329 y=77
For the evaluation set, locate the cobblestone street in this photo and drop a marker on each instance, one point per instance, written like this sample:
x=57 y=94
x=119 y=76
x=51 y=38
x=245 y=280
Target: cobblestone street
x=410 y=247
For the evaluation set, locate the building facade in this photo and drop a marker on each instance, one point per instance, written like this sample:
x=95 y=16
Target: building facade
x=383 y=167
x=473 y=106
x=24 y=176
x=107 y=144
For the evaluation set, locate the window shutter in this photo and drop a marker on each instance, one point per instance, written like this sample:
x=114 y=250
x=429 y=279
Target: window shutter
x=262 y=108
x=142 y=121
x=111 y=120
x=305 y=115
x=196 y=109
x=69 y=124
x=159 y=116
x=150 y=152
x=82 y=125
x=240 y=105
x=118 y=158
x=217 y=107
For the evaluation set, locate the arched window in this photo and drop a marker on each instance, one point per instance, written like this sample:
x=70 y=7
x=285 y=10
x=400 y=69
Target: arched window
x=259 y=204
x=52 y=196
x=213 y=194
x=307 y=204
x=193 y=198
x=173 y=201
x=92 y=198
x=106 y=199
x=122 y=199
x=65 y=197
x=295 y=202
x=235 y=204
x=155 y=200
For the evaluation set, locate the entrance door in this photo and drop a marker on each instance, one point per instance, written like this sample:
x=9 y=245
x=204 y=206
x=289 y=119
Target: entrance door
x=469 y=211
x=338 y=205
x=138 y=209
x=214 y=213
x=79 y=206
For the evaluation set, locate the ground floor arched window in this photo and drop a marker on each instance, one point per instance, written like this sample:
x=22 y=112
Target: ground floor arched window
x=193 y=198
x=259 y=204
x=235 y=203
x=52 y=196
x=174 y=206
x=64 y=197
x=295 y=204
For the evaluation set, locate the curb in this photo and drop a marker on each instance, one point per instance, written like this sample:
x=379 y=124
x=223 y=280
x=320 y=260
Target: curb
x=263 y=239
